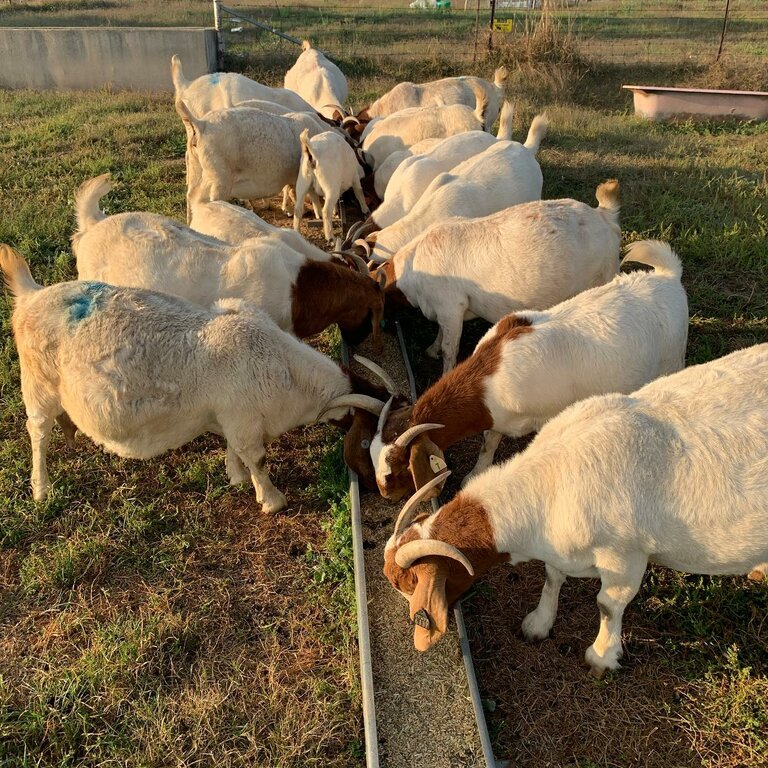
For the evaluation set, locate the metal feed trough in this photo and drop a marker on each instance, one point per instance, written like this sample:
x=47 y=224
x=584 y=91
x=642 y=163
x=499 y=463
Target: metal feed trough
x=656 y=103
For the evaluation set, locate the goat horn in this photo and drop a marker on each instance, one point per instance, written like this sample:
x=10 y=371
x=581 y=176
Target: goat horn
x=354 y=229
x=362 y=265
x=384 y=415
x=350 y=119
x=377 y=369
x=363 y=244
x=367 y=403
x=408 y=512
x=412 y=551
x=413 y=432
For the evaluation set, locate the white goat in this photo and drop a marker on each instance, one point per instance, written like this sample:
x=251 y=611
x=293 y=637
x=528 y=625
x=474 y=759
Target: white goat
x=143 y=250
x=415 y=174
x=242 y=152
x=233 y=224
x=318 y=81
x=532 y=365
x=410 y=126
x=329 y=165
x=505 y=174
x=222 y=90
x=142 y=372
x=385 y=171
x=449 y=90
x=530 y=256
x=673 y=474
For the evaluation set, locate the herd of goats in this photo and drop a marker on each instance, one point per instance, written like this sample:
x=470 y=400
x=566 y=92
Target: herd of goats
x=172 y=331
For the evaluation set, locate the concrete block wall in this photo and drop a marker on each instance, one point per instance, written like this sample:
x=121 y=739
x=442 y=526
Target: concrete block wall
x=81 y=58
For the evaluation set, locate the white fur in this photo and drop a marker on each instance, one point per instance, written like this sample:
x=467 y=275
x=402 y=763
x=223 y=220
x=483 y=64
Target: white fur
x=243 y=152
x=222 y=90
x=145 y=250
x=385 y=171
x=673 y=474
x=410 y=126
x=449 y=90
x=318 y=81
x=141 y=373
x=413 y=175
x=505 y=174
x=530 y=256
x=233 y=224
x=335 y=170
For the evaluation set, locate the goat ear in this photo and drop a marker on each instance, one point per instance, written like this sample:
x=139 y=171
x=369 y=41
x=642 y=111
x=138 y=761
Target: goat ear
x=425 y=454
x=337 y=116
x=381 y=276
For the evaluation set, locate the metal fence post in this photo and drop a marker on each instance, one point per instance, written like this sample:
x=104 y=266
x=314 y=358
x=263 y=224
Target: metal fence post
x=219 y=33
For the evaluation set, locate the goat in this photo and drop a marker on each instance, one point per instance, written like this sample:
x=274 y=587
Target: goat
x=532 y=365
x=410 y=126
x=505 y=174
x=143 y=250
x=242 y=152
x=318 y=80
x=222 y=90
x=449 y=90
x=673 y=474
x=386 y=170
x=141 y=372
x=530 y=256
x=415 y=174
x=233 y=224
x=330 y=166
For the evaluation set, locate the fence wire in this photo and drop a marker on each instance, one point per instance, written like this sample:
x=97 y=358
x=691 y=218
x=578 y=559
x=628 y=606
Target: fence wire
x=657 y=35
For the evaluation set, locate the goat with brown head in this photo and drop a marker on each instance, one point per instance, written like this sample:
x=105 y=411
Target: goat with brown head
x=433 y=559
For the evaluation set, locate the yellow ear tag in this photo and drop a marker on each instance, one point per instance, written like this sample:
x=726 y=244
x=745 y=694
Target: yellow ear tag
x=437 y=464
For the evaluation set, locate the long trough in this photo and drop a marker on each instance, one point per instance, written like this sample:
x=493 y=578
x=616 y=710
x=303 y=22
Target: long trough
x=663 y=103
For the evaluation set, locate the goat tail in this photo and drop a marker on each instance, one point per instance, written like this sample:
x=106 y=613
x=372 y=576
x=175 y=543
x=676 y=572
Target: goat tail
x=481 y=105
x=16 y=272
x=607 y=195
x=500 y=77
x=306 y=149
x=656 y=254
x=87 y=198
x=537 y=131
x=177 y=74
x=305 y=45
x=505 y=122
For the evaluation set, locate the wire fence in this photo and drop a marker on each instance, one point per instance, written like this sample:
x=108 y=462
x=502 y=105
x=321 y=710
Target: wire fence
x=655 y=35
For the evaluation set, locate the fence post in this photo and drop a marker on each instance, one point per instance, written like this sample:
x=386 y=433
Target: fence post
x=490 y=29
x=219 y=34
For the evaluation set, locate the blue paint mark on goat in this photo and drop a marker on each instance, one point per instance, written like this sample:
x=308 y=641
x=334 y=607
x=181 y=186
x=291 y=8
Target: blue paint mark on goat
x=214 y=78
x=81 y=307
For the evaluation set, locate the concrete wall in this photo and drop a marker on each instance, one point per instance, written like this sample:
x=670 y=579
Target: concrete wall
x=79 y=58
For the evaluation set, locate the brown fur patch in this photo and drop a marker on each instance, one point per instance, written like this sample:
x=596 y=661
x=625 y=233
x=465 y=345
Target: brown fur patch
x=463 y=523
x=456 y=400
x=327 y=293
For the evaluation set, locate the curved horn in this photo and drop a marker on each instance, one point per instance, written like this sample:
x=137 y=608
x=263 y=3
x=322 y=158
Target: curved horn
x=412 y=551
x=363 y=244
x=362 y=264
x=377 y=369
x=352 y=231
x=384 y=414
x=367 y=403
x=408 y=512
x=350 y=119
x=413 y=432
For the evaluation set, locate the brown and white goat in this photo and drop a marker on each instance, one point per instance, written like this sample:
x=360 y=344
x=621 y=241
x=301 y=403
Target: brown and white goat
x=144 y=250
x=673 y=474
x=532 y=365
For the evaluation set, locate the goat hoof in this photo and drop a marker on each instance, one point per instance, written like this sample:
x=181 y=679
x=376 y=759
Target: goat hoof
x=600 y=665
x=40 y=493
x=533 y=629
x=434 y=354
x=274 y=504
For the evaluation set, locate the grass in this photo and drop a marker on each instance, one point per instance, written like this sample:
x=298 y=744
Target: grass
x=150 y=615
